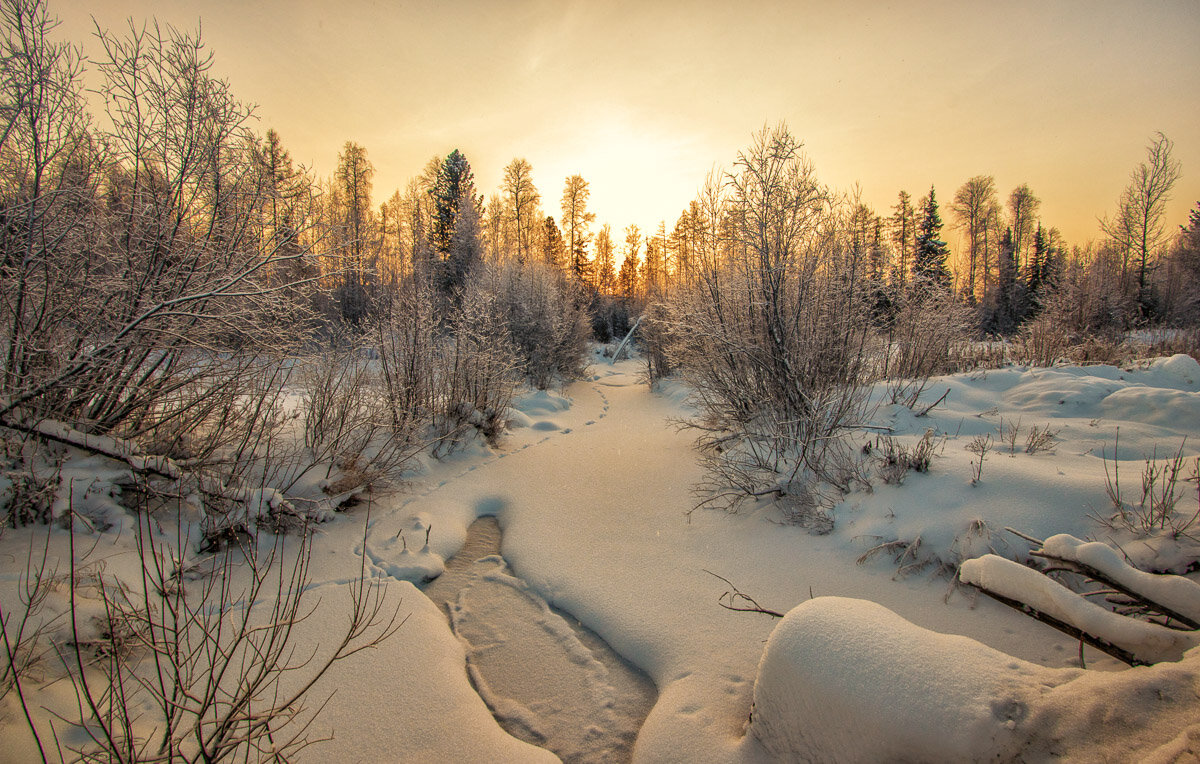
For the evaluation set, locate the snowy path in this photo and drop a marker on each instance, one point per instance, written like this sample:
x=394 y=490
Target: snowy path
x=591 y=490
x=548 y=680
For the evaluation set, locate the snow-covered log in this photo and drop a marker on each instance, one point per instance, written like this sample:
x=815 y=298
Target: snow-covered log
x=1174 y=596
x=254 y=502
x=621 y=348
x=1131 y=640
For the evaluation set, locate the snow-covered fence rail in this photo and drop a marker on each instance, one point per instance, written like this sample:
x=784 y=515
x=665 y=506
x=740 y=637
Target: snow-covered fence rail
x=1172 y=603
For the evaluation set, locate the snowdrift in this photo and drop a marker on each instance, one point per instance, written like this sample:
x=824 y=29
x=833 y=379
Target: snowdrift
x=849 y=680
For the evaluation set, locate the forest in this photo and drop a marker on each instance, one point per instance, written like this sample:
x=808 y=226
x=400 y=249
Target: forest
x=248 y=350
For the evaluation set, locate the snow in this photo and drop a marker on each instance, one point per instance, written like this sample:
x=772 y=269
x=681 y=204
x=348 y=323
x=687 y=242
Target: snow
x=592 y=486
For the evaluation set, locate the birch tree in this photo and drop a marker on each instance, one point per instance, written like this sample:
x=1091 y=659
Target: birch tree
x=1138 y=226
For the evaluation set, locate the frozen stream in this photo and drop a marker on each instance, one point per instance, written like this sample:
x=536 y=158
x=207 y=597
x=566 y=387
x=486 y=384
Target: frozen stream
x=548 y=679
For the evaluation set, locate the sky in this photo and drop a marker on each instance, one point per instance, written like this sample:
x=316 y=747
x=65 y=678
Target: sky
x=645 y=98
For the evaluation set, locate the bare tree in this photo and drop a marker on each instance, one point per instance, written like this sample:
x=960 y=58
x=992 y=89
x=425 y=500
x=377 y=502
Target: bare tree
x=575 y=222
x=1023 y=209
x=523 y=199
x=974 y=205
x=1138 y=227
x=763 y=339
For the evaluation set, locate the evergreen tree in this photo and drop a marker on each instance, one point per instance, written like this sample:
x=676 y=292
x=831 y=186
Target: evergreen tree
x=1008 y=309
x=606 y=276
x=285 y=193
x=627 y=278
x=455 y=205
x=454 y=182
x=575 y=220
x=356 y=223
x=554 y=251
x=1038 y=261
x=931 y=253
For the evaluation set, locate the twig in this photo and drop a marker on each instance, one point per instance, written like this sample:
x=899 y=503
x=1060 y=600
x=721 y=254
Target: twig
x=1027 y=537
x=730 y=600
x=933 y=405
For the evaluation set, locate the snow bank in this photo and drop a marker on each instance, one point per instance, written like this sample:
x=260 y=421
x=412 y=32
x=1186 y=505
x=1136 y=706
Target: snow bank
x=849 y=680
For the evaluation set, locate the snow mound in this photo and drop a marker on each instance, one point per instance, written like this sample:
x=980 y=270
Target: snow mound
x=408 y=565
x=1169 y=409
x=542 y=402
x=849 y=680
x=517 y=419
x=1181 y=368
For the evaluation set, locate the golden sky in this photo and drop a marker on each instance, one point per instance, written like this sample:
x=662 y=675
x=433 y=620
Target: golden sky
x=643 y=98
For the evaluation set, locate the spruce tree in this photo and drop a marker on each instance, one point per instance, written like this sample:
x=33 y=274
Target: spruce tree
x=1038 y=261
x=455 y=182
x=554 y=250
x=455 y=206
x=931 y=253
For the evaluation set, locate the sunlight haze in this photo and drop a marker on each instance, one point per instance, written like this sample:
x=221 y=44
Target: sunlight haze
x=644 y=99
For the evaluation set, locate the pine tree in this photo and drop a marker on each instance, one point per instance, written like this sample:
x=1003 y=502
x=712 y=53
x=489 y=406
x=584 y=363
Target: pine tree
x=356 y=222
x=575 y=220
x=1005 y=315
x=627 y=278
x=606 y=276
x=931 y=253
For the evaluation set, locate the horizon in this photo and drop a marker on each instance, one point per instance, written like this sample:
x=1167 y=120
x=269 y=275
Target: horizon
x=644 y=101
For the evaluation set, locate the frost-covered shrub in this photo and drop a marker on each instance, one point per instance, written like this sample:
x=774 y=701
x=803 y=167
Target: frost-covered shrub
x=767 y=335
x=476 y=369
x=546 y=316
x=923 y=336
x=656 y=336
x=1041 y=342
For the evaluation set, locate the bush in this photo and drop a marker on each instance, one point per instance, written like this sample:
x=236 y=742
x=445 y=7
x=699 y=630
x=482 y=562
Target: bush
x=923 y=336
x=766 y=335
x=546 y=318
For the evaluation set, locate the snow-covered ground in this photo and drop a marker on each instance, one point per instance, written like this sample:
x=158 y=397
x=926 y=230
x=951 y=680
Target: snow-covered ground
x=592 y=489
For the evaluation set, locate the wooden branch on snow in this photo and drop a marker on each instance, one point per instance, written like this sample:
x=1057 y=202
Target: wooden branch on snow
x=1087 y=571
x=733 y=599
x=933 y=405
x=1135 y=641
